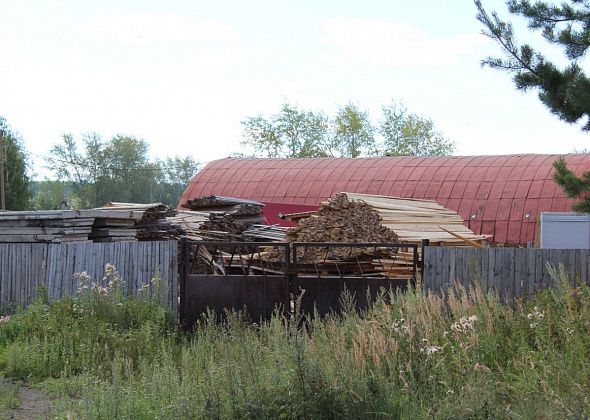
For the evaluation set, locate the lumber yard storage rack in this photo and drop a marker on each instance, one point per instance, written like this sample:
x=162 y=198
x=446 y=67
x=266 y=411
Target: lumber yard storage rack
x=265 y=277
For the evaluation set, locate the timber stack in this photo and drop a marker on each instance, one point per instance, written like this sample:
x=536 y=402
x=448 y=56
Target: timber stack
x=57 y=226
x=154 y=224
x=116 y=222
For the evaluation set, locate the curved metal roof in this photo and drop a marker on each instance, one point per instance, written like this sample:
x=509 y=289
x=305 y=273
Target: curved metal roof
x=496 y=195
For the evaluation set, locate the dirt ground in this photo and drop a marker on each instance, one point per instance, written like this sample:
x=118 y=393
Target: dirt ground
x=33 y=405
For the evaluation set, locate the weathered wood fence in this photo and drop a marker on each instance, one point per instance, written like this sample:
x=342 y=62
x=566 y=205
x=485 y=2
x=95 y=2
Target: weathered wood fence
x=510 y=272
x=26 y=267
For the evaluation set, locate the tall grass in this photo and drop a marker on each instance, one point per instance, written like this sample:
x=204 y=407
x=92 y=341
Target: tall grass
x=411 y=355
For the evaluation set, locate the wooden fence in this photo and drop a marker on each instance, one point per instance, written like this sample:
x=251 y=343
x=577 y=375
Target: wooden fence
x=26 y=267
x=510 y=272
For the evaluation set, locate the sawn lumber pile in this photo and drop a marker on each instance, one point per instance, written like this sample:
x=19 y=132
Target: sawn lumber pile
x=414 y=220
x=116 y=222
x=154 y=223
x=56 y=226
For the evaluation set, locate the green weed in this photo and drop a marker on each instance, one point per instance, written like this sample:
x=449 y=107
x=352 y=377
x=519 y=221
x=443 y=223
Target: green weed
x=411 y=355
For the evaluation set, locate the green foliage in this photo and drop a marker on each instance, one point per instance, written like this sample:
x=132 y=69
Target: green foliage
x=82 y=335
x=290 y=133
x=50 y=195
x=410 y=355
x=574 y=186
x=295 y=133
x=408 y=134
x=353 y=132
x=566 y=92
x=175 y=173
x=16 y=180
x=118 y=170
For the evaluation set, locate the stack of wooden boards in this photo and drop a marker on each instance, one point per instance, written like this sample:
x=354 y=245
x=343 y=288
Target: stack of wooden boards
x=56 y=226
x=154 y=223
x=414 y=220
x=220 y=218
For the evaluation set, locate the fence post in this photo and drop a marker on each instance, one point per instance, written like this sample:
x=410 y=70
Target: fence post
x=182 y=277
x=425 y=243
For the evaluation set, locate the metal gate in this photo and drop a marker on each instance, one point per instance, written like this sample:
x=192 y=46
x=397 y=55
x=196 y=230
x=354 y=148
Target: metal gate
x=321 y=281
x=262 y=277
x=221 y=276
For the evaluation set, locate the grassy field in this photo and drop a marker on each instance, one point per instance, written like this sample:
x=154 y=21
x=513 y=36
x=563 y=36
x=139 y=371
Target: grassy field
x=410 y=356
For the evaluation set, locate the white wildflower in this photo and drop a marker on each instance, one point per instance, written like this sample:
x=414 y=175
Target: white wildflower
x=465 y=324
x=4 y=319
x=537 y=314
x=109 y=269
x=430 y=350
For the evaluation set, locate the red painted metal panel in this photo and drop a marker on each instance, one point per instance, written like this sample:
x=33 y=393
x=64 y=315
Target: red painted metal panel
x=513 y=235
x=503 y=212
x=501 y=235
x=458 y=189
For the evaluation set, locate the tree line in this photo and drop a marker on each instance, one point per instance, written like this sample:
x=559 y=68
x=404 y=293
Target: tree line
x=91 y=171
x=297 y=133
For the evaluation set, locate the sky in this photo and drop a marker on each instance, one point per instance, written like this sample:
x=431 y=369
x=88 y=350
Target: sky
x=183 y=74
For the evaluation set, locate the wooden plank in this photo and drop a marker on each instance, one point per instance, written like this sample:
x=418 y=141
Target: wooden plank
x=583 y=263
x=452 y=270
x=520 y=265
x=511 y=289
x=572 y=270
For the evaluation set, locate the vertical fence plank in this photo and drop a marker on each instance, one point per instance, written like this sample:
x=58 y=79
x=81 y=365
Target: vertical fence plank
x=583 y=263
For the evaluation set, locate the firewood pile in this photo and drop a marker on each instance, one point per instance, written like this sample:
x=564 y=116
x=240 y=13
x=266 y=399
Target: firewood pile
x=345 y=221
x=342 y=220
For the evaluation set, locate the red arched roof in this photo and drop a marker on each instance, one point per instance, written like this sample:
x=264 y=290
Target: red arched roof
x=496 y=195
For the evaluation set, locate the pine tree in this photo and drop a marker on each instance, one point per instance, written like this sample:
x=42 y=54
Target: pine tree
x=566 y=92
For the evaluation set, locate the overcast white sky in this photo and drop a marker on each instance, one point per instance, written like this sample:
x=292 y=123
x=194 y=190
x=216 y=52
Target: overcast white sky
x=183 y=74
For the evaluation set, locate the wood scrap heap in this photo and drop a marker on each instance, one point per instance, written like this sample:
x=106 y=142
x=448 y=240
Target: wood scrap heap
x=347 y=221
x=244 y=211
x=342 y=220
